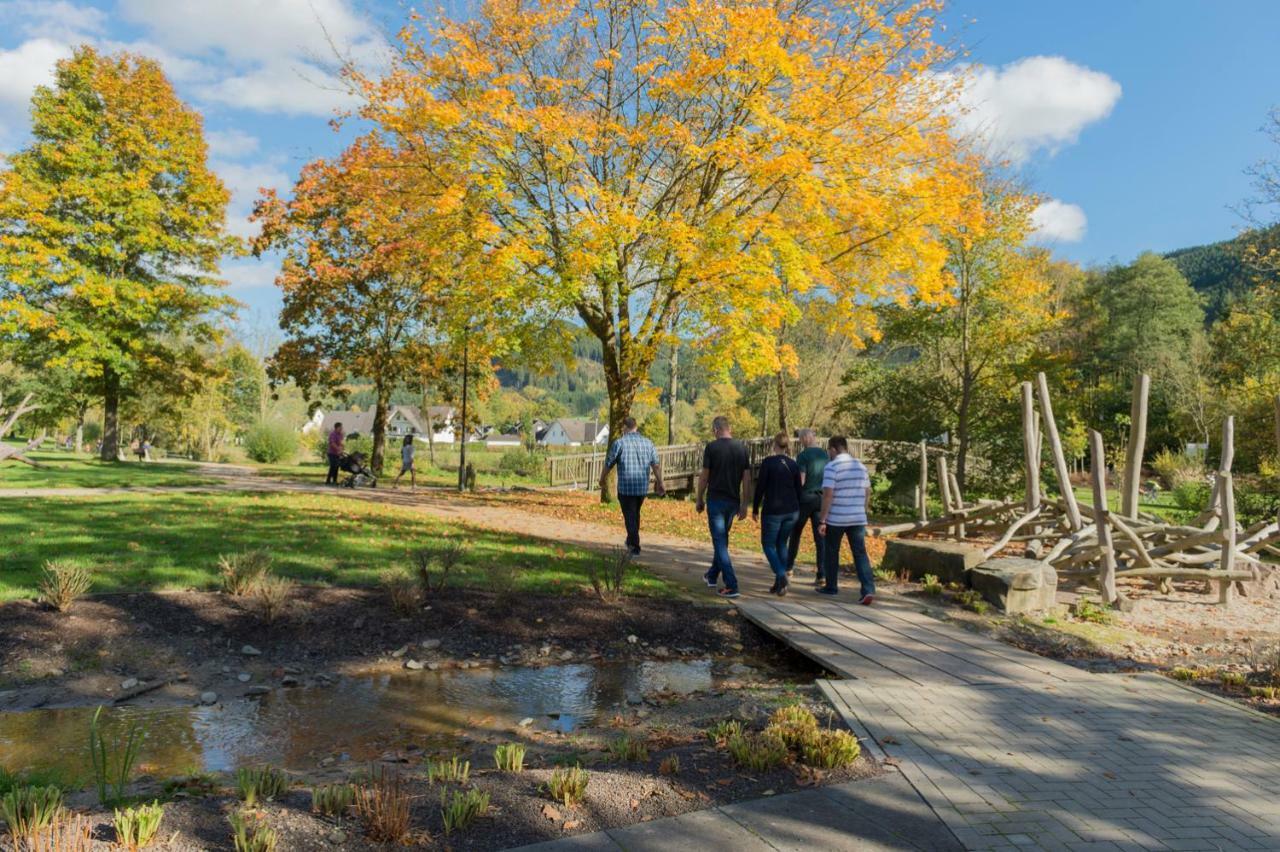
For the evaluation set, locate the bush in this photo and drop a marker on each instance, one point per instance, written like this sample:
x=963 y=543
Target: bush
x=509 y=757
x=794 y=725
x=383 y=807
x=500 y=577
x=271 y=595
x=758 y=752
x=263 y=784
x=270 y=443
x=521 y=463
x=333 y=800
x=931 y=586
x=402 y=591
x=242 y=572
x=357 y=444
x=1192 y=495
x=62 y=583
x=459 y=809
x=433 y=565
x=608 y=576
x=1176 y=468
x=568 y=784
x=137 y=827
x=250 y=833
x=830 y=749
x=28 y=810
x=722 y=732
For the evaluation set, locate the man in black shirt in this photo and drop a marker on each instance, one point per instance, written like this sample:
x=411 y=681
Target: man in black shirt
x=725 y=467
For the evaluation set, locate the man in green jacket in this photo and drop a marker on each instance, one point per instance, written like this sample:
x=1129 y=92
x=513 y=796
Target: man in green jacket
x=812 y=460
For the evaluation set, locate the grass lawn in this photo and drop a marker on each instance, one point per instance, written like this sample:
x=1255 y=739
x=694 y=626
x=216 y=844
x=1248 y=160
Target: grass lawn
x=313 y=471
x=1162 y=504
x=76 y=470
x=172 y=541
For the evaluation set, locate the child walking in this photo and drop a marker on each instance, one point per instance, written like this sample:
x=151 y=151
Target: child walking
x=406 y=464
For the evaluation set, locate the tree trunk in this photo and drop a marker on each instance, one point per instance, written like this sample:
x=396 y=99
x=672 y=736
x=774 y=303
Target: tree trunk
x=962 y=432
x=783 y=425
x=622 y=394
x=671 y=394
x=379 y=430
x=110 y=415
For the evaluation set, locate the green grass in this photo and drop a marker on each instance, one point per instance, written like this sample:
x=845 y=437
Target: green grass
x=172 y=541
x=309 y=471
x=1162 y=505
x=68 y=470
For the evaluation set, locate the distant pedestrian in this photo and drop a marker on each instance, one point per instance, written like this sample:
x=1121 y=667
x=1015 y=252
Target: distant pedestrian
x=336 y=448
x=812 y=460
x=634 y=455
x=406 y=464
x=778 y=490
x=725 y=467
x=846 y=492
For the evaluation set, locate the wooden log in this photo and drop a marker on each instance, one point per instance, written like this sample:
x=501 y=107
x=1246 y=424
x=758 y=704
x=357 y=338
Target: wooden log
x=1226 y=588
x=1137 y=445
x=1200 y=539
x=1068 y=541
x=957 y=502
x=946 y=522
x=1212 y=516
x=1059 y=460
x=922 y=501
x=1098 y=471
x=1011 y=532
x=1139 y=549
x=944 y=489
x=1172 y=573
x=1030 y=447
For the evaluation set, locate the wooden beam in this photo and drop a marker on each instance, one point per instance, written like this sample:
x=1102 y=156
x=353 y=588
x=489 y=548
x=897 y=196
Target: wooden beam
x=1059 y=460
x=944 y=489
x=1213 y=515
x=1030 y=447
x=1226 y=588
x=922 y=506
x=1137 y=446
x=1098 y=473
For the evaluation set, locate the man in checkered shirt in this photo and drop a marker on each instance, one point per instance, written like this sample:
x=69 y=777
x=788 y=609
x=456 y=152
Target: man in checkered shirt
x=633 y=454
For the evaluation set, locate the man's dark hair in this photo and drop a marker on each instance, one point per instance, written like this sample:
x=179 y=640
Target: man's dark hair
x=337 y=425
x=629 y=423
x=839 y=443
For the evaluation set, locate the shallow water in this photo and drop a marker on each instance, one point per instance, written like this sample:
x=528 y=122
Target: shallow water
x=354 y=719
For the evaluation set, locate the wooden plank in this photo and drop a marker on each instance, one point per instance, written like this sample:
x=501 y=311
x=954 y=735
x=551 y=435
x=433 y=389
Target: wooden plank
x=817 y=647
x=1098 y=473
x=1137 y=446
x=1059 y=459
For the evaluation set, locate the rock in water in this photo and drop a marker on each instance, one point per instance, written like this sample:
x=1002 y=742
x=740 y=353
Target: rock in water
x=129 y=683
x=413 y=665
x=208 y=698
x=250 y=651
x=244 y=677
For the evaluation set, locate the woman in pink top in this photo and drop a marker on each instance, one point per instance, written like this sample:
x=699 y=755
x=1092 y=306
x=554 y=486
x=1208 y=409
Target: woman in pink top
x=335 y=453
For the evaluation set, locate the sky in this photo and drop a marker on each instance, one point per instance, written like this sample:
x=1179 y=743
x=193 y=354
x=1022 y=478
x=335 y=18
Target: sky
x=1133 y=120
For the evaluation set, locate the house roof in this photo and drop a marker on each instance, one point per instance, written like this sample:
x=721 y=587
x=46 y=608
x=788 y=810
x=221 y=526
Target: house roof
x=581 y=430
x=361 y=422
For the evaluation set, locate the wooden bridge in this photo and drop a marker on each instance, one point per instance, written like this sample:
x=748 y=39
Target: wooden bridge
x=682 y=462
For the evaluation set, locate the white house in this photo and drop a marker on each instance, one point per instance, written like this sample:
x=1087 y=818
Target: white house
x=574 y=432
x=401 y=420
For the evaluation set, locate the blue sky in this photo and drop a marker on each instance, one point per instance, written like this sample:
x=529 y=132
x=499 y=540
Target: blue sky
x=1134 y=119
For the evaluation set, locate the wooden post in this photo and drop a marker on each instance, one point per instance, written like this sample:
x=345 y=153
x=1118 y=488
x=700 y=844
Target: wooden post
x=1059 y=460
x=1137 y=445
x=1098 y=471
x=1278 y=425
x=1226 y=588
x=922 y=506
x=957 y=501
x=1030 y=446
x=943 y=489
x=1225 y=460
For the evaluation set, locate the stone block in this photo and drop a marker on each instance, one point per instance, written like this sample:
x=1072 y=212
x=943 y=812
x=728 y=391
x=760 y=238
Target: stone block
x=1016 y=585
x=949 y=561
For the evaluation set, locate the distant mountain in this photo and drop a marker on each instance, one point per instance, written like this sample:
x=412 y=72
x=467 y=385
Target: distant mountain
x=1218 y=271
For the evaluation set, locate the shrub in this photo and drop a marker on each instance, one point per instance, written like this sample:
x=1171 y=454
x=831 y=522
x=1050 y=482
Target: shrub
x=500 y=578
x=509 y=757
x=250 y=833
x=112 y=762
x=461 y=808
x=63 y=582
x=931 y=585
x=242 y=572
x=670 y=765
x=1182 y=673
x=137 y=827
x=1233 y=680
x=521 y=462
x=28 y=810
x=271 y=595
x=1267 y=692
x=455 y=770
x=568 y=784
x=270 y=443
x=628 y=749
x=1176 y=468
x=722 y=732
x=261 y=784
x=1087 y=610
x=402 y=591
x=608 y=576
x=758 y=752
x=794 y=725
x=383 y=807
x=1192 y=495
x=353 y=444
x=333 y=800
x=830 y=749
x=432 y=565
x=972 y=600
x=67 y=833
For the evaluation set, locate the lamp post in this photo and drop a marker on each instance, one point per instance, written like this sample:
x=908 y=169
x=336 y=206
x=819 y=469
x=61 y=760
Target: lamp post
x=462 y=457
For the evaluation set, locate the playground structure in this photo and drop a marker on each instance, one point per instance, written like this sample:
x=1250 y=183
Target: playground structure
x=1092 y=543
x=7 y=419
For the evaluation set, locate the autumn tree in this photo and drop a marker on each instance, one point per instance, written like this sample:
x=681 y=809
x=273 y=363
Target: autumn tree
x=385 y=269
x=111 y=230
x=662 y=158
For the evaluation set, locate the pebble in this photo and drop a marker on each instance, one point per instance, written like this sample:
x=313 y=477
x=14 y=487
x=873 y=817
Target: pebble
x=257 y=690
x=244 y=677
x=544 y=651
x=129 y=683
x=289 y=680
x=566 y=656
x=526 y=721
x=226 y=669
x=250 y=651
x=208 y=698
x=413 y=665
x=740 y=669
x=433 y=666
x=661 y=651
x=400 y=652
x=430 y=644
x=337 y=838
x=633 y=639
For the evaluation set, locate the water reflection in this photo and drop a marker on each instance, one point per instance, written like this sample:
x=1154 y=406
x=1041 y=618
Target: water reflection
x=360 y=718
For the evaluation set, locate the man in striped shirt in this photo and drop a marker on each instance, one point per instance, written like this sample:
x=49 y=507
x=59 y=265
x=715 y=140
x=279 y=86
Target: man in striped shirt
x=846 y=493
x=634 y=455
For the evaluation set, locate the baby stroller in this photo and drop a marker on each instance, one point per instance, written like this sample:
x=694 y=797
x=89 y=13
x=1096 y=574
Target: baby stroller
x=358 y=473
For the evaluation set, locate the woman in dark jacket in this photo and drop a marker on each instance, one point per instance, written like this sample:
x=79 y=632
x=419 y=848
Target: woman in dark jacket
x=778 y=491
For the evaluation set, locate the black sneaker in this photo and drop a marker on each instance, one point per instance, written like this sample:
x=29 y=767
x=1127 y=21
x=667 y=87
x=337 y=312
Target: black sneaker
x=711 y=583
x=825 y=591
x=634 y=551
x=782 y=588
x=728 y=593
x=773 y=590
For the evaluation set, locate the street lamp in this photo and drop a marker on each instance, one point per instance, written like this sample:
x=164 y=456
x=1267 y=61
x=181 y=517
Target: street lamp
x=462 y=458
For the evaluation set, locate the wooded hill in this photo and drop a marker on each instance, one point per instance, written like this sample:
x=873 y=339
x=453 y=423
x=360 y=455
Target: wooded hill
x=1218 y=270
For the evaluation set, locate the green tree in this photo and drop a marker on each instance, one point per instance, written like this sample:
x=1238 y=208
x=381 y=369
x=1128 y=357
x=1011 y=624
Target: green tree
x=111 y=230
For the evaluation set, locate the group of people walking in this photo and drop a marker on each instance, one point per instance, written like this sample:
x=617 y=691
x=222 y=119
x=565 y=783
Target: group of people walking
x=825 y=490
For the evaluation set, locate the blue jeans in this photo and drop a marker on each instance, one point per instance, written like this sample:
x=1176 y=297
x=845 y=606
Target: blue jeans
x=720 y=515
x=775 y=536
x=810 y=512
x=858 y=544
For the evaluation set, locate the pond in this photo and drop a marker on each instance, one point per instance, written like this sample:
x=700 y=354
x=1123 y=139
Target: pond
x=356 y=718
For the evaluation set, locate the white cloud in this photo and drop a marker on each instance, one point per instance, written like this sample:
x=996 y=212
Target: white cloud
x=1058 y=221
x=231 y=144
x=250 y=275
x=291 y=88
x=1036 y=103
x=54 y=19
x=26 y=66
x=244 y=181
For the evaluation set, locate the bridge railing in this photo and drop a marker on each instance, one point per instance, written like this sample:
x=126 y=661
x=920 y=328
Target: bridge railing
x=582 y=470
